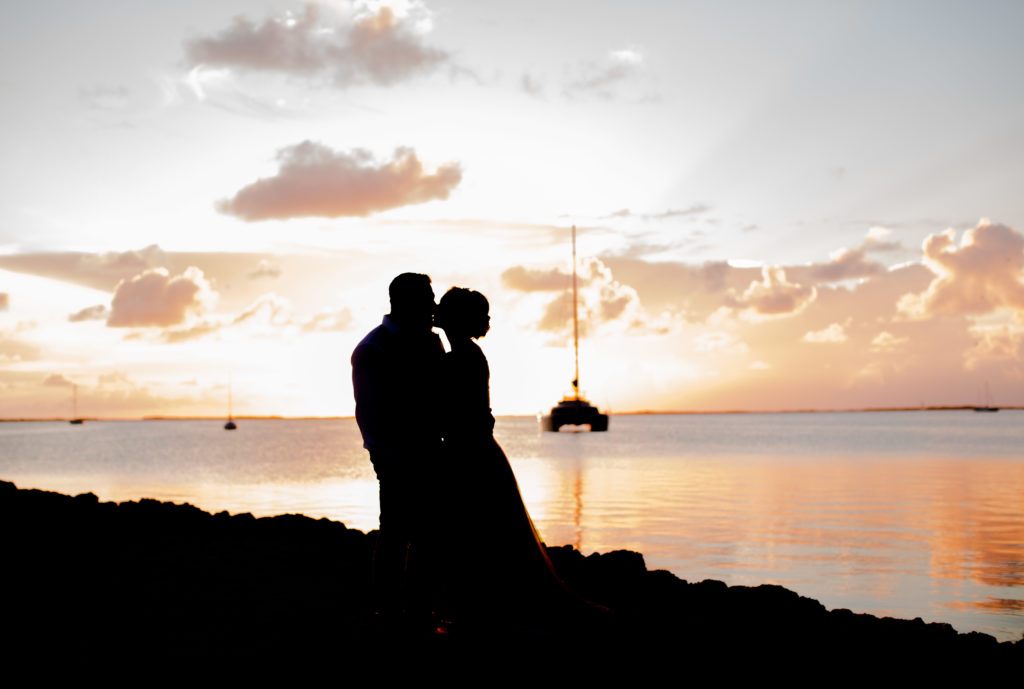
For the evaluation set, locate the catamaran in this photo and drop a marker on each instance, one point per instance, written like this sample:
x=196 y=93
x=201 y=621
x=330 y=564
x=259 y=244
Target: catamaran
x=574 y=409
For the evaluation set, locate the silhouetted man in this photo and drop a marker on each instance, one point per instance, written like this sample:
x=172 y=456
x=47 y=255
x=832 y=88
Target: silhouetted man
x=395 y=377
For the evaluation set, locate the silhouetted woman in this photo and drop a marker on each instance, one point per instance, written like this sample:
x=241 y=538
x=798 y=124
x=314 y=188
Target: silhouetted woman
x=501 y=568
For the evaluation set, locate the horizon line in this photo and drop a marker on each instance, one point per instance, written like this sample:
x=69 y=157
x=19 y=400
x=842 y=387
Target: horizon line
x=642 y=412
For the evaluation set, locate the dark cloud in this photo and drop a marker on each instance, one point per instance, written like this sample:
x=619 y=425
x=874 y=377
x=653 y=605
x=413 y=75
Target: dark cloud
x=315 y=181
x=90 y=313
x=379 y=48
x=154 y=298
x=525 y=279
x=56 y=380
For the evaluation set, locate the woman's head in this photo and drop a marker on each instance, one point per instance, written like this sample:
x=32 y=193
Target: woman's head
x=463 y=312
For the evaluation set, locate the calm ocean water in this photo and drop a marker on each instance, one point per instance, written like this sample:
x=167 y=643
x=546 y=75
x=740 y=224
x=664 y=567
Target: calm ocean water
x=910 y=514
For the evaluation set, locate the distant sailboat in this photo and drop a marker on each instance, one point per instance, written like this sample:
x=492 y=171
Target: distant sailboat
x=574 y=410
x=75 y=420
x=230 y=425
x=987 y=406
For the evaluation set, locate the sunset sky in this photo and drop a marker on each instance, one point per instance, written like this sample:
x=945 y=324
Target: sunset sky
x=780 y=205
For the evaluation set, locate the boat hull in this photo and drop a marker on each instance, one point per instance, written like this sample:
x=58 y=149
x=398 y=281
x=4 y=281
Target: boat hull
x=574 y=413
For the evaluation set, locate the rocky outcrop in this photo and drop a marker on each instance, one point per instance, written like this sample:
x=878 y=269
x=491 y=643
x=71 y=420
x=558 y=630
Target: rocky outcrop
x=155 y=580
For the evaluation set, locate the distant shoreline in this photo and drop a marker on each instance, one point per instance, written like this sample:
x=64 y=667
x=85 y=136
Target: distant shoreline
x=643 y=412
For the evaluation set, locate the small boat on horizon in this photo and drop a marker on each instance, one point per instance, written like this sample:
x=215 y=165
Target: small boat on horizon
x=75 y=419
x=987 y=406
x=230 y=425
x=574 y=409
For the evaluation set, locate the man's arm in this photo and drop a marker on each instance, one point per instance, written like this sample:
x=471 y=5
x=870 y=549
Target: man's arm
x=371 y=383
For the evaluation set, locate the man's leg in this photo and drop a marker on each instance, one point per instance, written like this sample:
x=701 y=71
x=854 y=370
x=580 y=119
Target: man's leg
x=391 y=554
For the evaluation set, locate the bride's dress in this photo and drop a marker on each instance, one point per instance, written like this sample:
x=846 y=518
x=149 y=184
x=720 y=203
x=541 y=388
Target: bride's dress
x=501 y=560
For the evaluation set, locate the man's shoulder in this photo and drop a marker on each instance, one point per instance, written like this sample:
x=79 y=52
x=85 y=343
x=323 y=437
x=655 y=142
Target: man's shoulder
x=380 y=338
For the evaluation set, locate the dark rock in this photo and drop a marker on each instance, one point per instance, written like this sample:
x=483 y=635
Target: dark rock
x=160 y=582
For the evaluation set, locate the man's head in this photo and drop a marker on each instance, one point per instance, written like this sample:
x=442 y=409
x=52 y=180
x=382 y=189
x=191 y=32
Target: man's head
x=412 y=300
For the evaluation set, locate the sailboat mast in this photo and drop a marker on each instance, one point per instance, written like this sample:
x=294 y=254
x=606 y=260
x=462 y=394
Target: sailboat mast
x=575 y=320
x=74 y=402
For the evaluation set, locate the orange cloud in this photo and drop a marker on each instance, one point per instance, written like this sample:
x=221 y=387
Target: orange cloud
x=525 y=279
x=195 y=332
x=774 y=295
x=56 y=380
x=887 y=342
x=329 y=321
x=833 y=333
x=601 y=298
x=315 y=181
x=154 y=298
x=89 y=313
x=983 y=274
x=98 y=271
x=379 y=48
x=845 y=265
x=265 y=269
x=5 y=301
x=1004 y=342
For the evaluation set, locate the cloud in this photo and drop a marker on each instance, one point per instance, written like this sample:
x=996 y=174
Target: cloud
x=833 y=333
x=887 y=342
x=98 y=271
x=346 y=48
x=994 y=343
x=601 y=78
x=531 y=85
x=56 y=380
x=5 y=301
x=200 y=329
x=844 y=265
x=315 y=181
x=114 y=379
x=601 y=299
x=329 y=322
x=773 y=295
x=265 y=269
x=695 y=209
x=154 y=298
x=525 y=279
x=984 y=274
x=12 y=349
x=269 y=308
x=90 y=313
x=719 y=342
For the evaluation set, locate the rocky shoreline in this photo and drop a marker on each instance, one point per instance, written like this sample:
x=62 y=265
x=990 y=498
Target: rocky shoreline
x=153 y=581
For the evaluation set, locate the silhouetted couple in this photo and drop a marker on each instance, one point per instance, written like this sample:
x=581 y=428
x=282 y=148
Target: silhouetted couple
x=454 y=533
